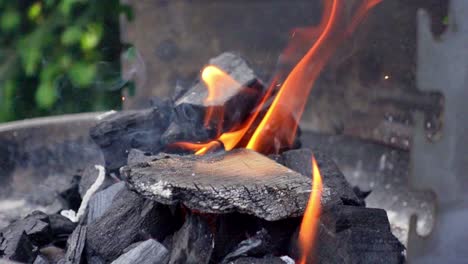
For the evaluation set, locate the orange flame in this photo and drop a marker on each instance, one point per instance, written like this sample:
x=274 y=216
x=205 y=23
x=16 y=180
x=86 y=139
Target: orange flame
x=219 y=85
x=310 y=221
x=279 y=126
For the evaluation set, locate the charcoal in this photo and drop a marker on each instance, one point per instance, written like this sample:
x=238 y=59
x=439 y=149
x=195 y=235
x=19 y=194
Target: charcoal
x=351 y=234
x=264 y=260
x=300 y=161
x=193 y=243
x=35 y=225
x=40 y=259
x=258 y=245
x=129 y=219
x=88 y=178
x=71 y=195
x=75 y=245
x=101 y=201
x=60 y=225
x=237 y=181
x=231 y=230
x=191 y=108
x=118 y=133
x=17 y=246
x=147 y=252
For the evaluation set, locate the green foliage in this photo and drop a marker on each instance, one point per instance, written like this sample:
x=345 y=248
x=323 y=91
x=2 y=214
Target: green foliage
x=53 y=54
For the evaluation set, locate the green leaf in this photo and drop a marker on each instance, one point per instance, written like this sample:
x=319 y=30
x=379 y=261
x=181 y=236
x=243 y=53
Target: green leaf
x=46 y=94
x=90 y=39
x=10 y=20
x=31 y=57
x=66 y=6
x=35 y=11
x=82 y=74
x=71 y=36
x=7 y=91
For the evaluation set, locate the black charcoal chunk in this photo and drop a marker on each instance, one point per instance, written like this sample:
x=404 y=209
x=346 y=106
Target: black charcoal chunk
x=351 y=234
x=129 y=219
x=75 y=245
x=300 y=160
x=60 y=225
x=141 y=129
x=17 y=246
x=231 y=107
x=35 y=225
x=255 y=246
x=147 y=252
x=102 y=200
x=193 y=243
x=264 y=260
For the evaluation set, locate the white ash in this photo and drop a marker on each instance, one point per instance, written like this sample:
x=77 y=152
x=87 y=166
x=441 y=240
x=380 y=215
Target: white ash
x=75 y=217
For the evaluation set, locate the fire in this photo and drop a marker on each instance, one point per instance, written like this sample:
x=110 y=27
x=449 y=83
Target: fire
x=279 y=126
x=276 y=129
x=219 y=85
x=310 y=221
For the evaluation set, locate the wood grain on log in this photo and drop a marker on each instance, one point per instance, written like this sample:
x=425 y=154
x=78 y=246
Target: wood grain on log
x=238 y=181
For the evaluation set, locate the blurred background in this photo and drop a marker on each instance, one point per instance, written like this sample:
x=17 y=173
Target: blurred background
x=59 y=56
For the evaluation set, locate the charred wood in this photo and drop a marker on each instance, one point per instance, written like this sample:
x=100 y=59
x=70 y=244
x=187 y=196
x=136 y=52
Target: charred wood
x=75 y=245
x=192 y=108
x=300 y=161
x=237 y=181
x=147 y=252
x=120 y=132
x=102 y=200
x=129 y=219
x=193 y=243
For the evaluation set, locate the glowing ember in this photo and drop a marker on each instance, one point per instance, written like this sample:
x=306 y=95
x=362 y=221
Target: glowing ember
x=310 y=221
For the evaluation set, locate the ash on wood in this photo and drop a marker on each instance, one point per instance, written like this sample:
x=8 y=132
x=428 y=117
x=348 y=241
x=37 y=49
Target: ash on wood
x=243 y=88
x=193 y=243
x=120 y=132
x=147 y=252
x=237 y=181
x=129 y=219
x=300 y=161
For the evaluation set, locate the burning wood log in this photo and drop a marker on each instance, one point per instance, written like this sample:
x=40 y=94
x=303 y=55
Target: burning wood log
x=237 y=181
x=211 y=106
